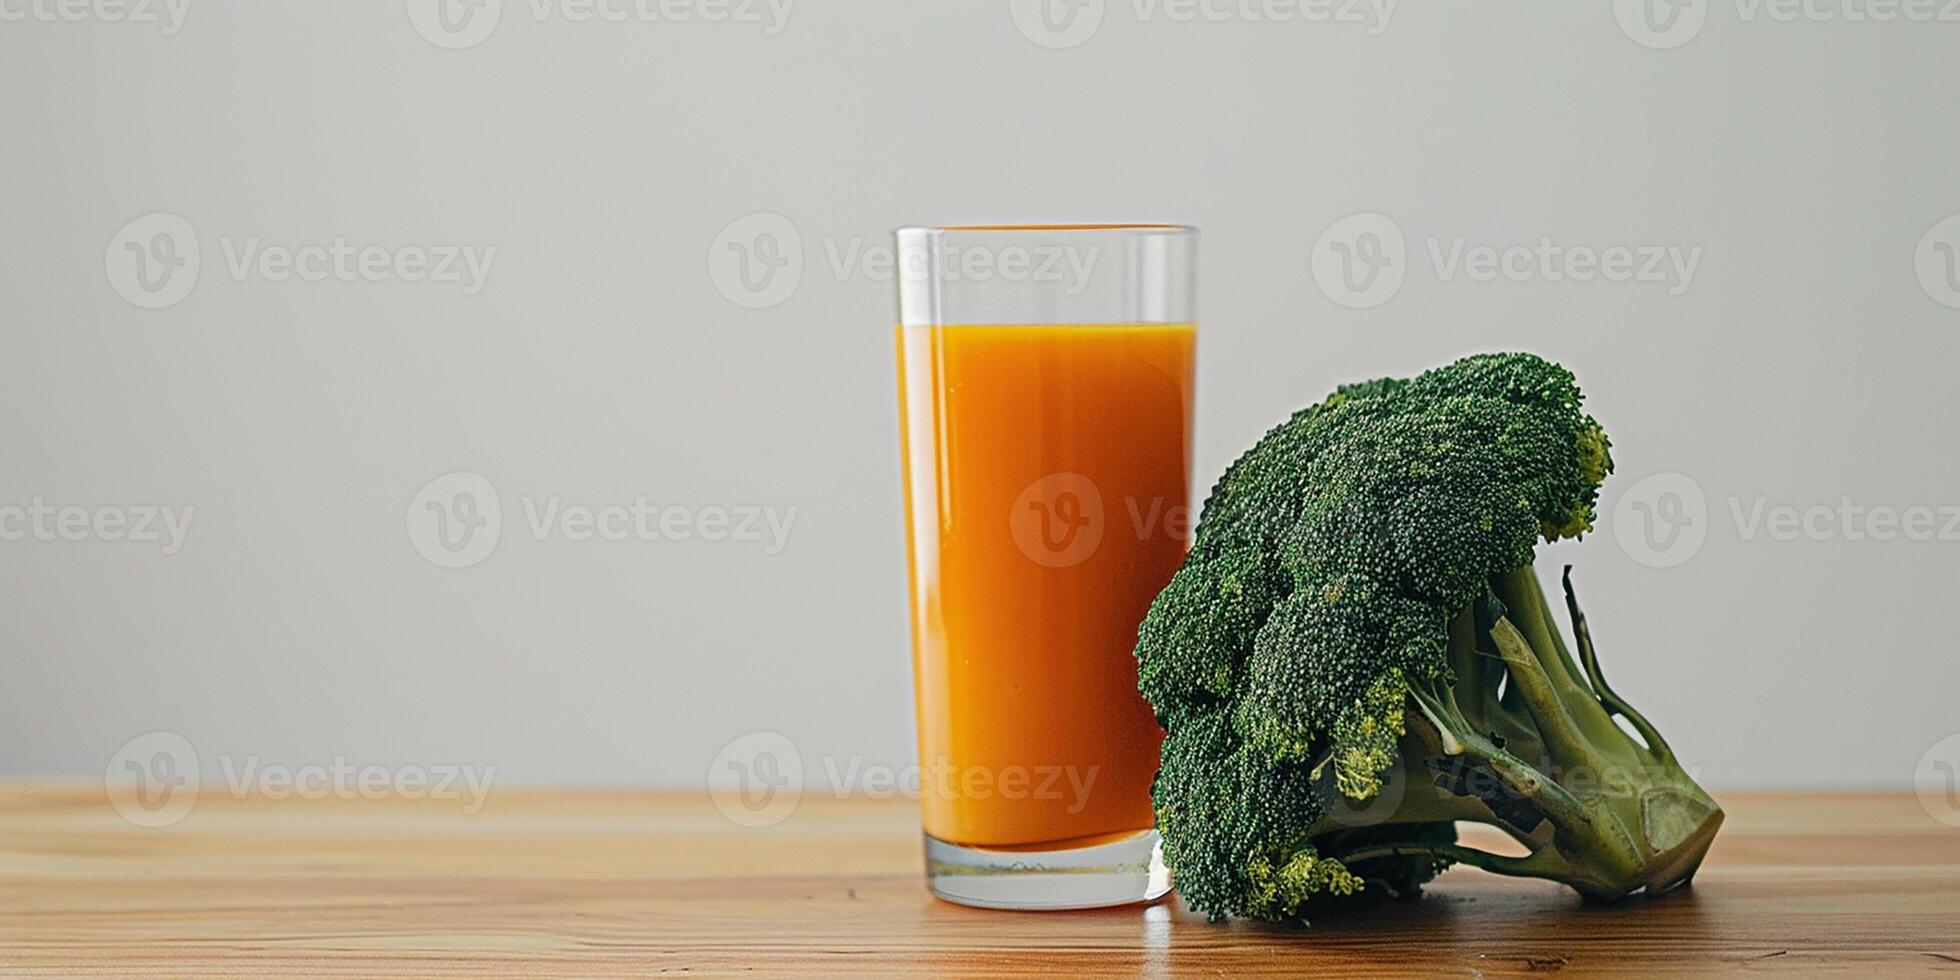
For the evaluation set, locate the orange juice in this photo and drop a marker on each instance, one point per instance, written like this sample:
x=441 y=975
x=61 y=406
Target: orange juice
x=1047 y=502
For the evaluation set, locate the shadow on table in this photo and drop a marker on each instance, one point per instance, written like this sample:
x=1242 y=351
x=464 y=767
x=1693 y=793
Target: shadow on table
x=1462 y=922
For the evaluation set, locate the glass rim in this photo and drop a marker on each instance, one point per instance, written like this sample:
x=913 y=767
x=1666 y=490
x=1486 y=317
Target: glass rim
x=1136 y=227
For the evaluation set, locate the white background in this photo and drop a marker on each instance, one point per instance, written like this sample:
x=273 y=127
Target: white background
x=1804 y=364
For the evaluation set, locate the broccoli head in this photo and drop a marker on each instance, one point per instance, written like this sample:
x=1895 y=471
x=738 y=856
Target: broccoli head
x=1356 y=655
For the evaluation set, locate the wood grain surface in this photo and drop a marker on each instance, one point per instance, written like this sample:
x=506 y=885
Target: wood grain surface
x=621 y=884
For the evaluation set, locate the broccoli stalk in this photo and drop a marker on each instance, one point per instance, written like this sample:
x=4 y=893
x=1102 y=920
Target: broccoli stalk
x=1356 y=656
x=1599 y=810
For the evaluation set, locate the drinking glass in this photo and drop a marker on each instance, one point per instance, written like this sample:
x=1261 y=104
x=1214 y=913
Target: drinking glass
x=1046 y=384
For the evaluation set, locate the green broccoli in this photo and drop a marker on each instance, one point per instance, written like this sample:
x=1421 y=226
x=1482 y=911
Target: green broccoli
x=1356 y=655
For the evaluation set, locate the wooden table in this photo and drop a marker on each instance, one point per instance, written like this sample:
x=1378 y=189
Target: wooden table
x=620 y=884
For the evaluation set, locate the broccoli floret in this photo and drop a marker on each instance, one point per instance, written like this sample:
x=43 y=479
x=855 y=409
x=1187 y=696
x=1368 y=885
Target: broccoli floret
x=1356 y=655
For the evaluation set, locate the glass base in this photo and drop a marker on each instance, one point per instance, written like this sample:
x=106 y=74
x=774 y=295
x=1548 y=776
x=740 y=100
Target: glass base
x=1118 y=872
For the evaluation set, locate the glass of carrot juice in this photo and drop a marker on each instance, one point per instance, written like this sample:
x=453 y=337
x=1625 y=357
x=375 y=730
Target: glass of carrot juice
x=1046 y=383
